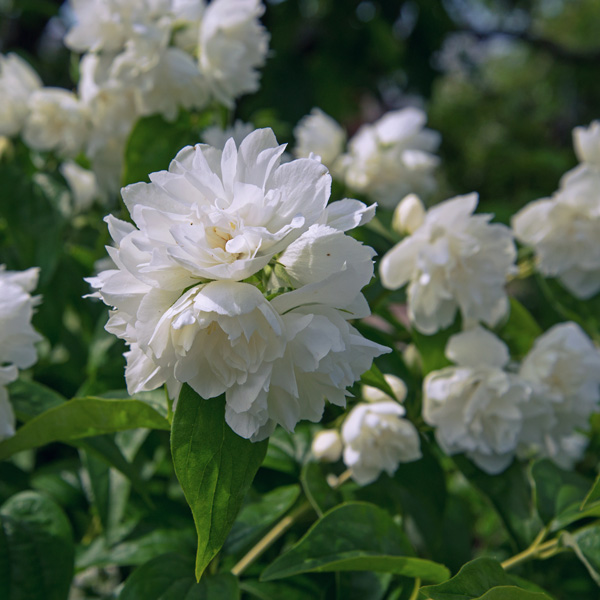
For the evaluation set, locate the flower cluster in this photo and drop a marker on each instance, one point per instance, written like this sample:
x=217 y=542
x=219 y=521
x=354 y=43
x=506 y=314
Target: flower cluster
x=480 y=408
x=375 y=436
x=238 y=279
x=140 y=57
x=17 y=336
x=564 y=230
x=452 y=261
x=384 y=160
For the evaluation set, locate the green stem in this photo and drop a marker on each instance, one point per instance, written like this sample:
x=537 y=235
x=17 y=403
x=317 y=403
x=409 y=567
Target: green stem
x=536 y=550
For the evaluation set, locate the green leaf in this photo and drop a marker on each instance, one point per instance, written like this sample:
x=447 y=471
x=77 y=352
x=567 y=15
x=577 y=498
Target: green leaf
x=137 y=550
x=593 y=494
x=153 y=144
x=355 y=536
x=301 y=587
x=287 y=452
x=319 y=493
x=520 y=331
x=36 y=549
x=81 y=418
x=511 y=494
x=374 y=378
x=171 y=577
x=483 y=579
x=585 y=543
x=215 y=467
x=556 y=489
x=29 y=399
x=256 y=516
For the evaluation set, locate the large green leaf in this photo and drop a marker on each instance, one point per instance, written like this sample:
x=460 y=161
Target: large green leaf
x=511 y=494
x=481 y=579
x=319 y=493
x=585 y=543
x=171 y=577
x=81 y=418
x=356 y=536
x=593 y=494
x=258 y=514
x=559 y=495
x=36 y=549
x=215 y=467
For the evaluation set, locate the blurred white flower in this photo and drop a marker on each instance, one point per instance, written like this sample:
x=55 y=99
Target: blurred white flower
x=83 y=185
x=409 y=215
x=564 y=230
x=327 y=445
x=57 y=121
x=373 y=394
x=319 y=134
x=563 y=368
x=107 y=25
x=7 y=416
x=17 y=82
x=392 y=157
x=376 y=438
x=454 y=261
x=222 y=216
x=217 y=137
x=587 y=144
x=476 y=407
x=17 y=336
x=233 y=44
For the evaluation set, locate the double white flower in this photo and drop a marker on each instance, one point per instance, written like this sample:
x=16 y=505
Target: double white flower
x=481 y=409
x=216 y=218
x=392 y=157
x=564 y=230
x=453 y=261
x=476 y=407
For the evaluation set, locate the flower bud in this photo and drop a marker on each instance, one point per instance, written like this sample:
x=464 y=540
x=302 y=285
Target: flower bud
x=327 y=445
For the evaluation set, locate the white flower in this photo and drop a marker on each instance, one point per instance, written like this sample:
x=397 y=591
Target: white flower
x=217 y=137
x=377 y=439
x=373 y=394
x=232 y=45
x=17 y=336
x=108 y=24
x=392 y=157
x=563 y=368
x=409 y=215
x=7 y=416
x=83 y=185
x=214 y=219
x=564 y=230
x=170 y=79
x=319 y=134
x=476 y=407
x=587 y=143
x=221 y=215
x=327 y=445
x=454 y=261
x=17 y=82
x=57 y=121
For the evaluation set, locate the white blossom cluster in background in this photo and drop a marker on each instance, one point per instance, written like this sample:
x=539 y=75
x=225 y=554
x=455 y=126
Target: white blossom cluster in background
x=238 y=279
x=17 y=336
x=564 y=230
x=140 y=57
x=492 y=410
x=384 y=161
x=452 y=260
x=375 y=436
